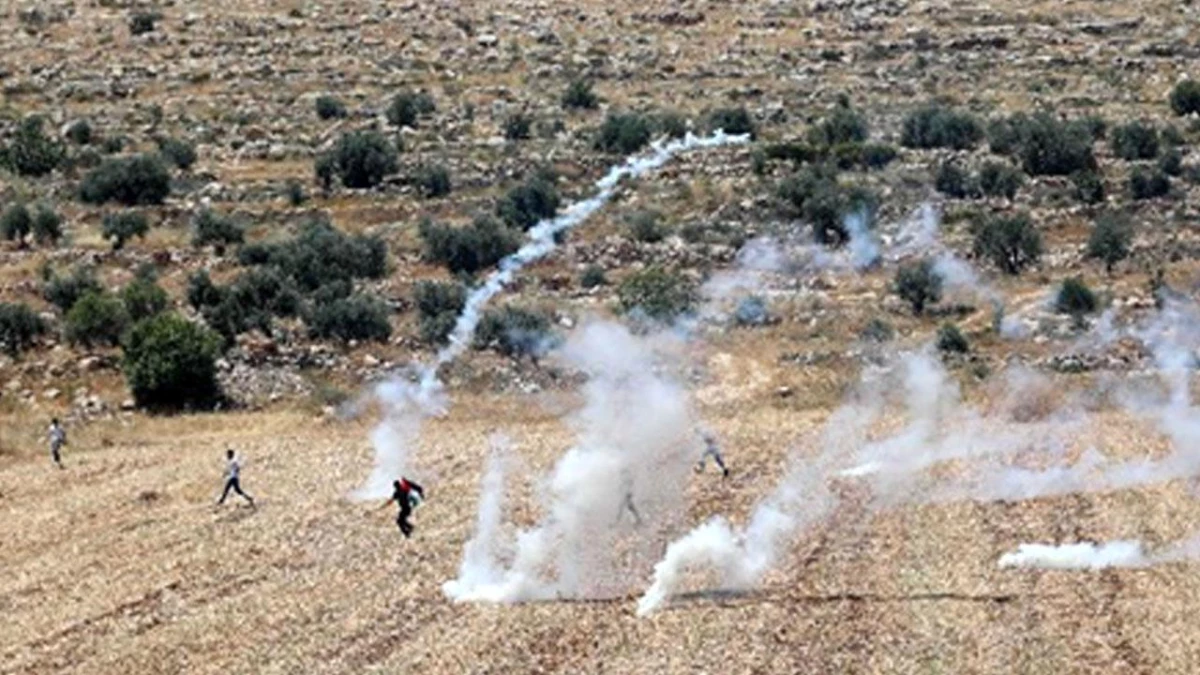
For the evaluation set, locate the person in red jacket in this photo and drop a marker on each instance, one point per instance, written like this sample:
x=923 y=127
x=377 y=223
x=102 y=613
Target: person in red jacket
x=407 y=494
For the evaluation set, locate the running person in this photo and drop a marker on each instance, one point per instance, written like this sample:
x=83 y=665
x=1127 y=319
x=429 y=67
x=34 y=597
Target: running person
x=58 y=438
x=406 y=493
x=711 y=449
x=233 y=472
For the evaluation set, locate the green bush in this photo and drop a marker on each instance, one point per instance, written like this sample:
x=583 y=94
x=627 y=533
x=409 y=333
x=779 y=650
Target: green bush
x=1096 y=126
x=47 y=225
x=877 y=330
x=171 y=363
x=320 y=254
x=1185 y=97
x=360 y=159
x=593 y=276
x=469 y=249
x=623 y=133
x=1171 y=162
x=998 y=179
x=121 y=227
x=97 y=318
x=210 y=227
x=579 y=96
x=357 y=317
x=1148 y=183
x=528 y=204
x=31 y=152
x=113 y=144
x=180 y=153
x=518 y=127
x=1135 y=140
x=918 y=285
x=843 y=124
x=1110 y=239
x=950 y=340
x=80 y=132
x=514 y=331
x=955 y=181
x=202 y=292
x=433 y=181
x=330 y=107
x=408 y=107
x=64 y=292
x=936 y=126
x=657 y=293
x=877 y=155
x=1046 y=145
x=15 y=223
x=295 y=193
x=19 y=327
x=733 y=121
x=132 y=181
x=671 y=124
x=1075 y=298
x=815 y=194
x=1089 y=186
x=438 y=307
x=646 y=226
x=1010 y=242
x=143 y=299
x=325 y=169
x=143 y=22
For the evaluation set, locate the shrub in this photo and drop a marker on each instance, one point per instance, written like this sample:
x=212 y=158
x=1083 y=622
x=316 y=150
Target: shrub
x=47 y=225
x=1010 y=242
x=433 y=181
x=954 y=181
x=325 y=169
x=593 y=276
x=843 y=124
x=357 y=317
x=1148 y=183
x=877 y=155
x=918 y=284
x=517 y=127
x=97 y=318
x=469 y=249
x=210 y=227
x=438 y=307
x=407 y=107
x=1075 y=298
x=1171 y=162
x=997 y=179
x=1171 y=137
x=1135 y=141
x=31 y=152
x=526 y=205
x=131 y=181
x=201 y=291
x=1109 y=241
x=143 y=22
x=950 y=340
x=646 y=226
x=320 y=254
x=19 y=326
x=734 y=121
x=171 y=363
x=180 y=153
x=15 y=223
x=361 y=159
x=877 y=330
x=143 y=299
x=64 y=292
x=936 y=126
x=121 y=227
x=295 y=193
x=514 y=331
x=1185 y=97
x=623 y=133
x=80 y=132
x=579 y=96
x=1095 y=125
x=330 y=107
x=657 y=293
x=1089 y=186
x=671 y=124
x=113 y=144
x=815 y=194
x=1046 y=145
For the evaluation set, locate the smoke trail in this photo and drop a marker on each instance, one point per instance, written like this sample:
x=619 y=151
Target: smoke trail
x=406 y=407
x=864 y=250
x=1084 y=556
x=480 y=564
x=612 y=496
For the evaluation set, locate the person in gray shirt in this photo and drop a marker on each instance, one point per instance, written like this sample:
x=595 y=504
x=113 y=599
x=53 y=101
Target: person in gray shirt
x=233 y=474
x=711 y=449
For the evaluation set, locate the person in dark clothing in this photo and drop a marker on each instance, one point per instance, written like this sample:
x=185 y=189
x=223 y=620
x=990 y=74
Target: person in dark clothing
x=233 y=472
x=406 y=494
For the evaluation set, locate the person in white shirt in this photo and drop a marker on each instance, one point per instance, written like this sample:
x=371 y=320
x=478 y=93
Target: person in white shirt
x=233 y=471
x=58 y=438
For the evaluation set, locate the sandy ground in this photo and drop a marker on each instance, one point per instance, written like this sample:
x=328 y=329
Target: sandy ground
x=121 y=564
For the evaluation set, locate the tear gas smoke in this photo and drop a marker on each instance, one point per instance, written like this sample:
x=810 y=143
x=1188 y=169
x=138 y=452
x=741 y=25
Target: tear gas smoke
x=479 y=567
x=1084 y=556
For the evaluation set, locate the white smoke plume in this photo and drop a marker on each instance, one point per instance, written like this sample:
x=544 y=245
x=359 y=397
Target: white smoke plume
x=757 y=259
x=406 y=404
x=480 y=565
x=920 y=236
x=864 y=249
x=614 y=495
x=1083 y=556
